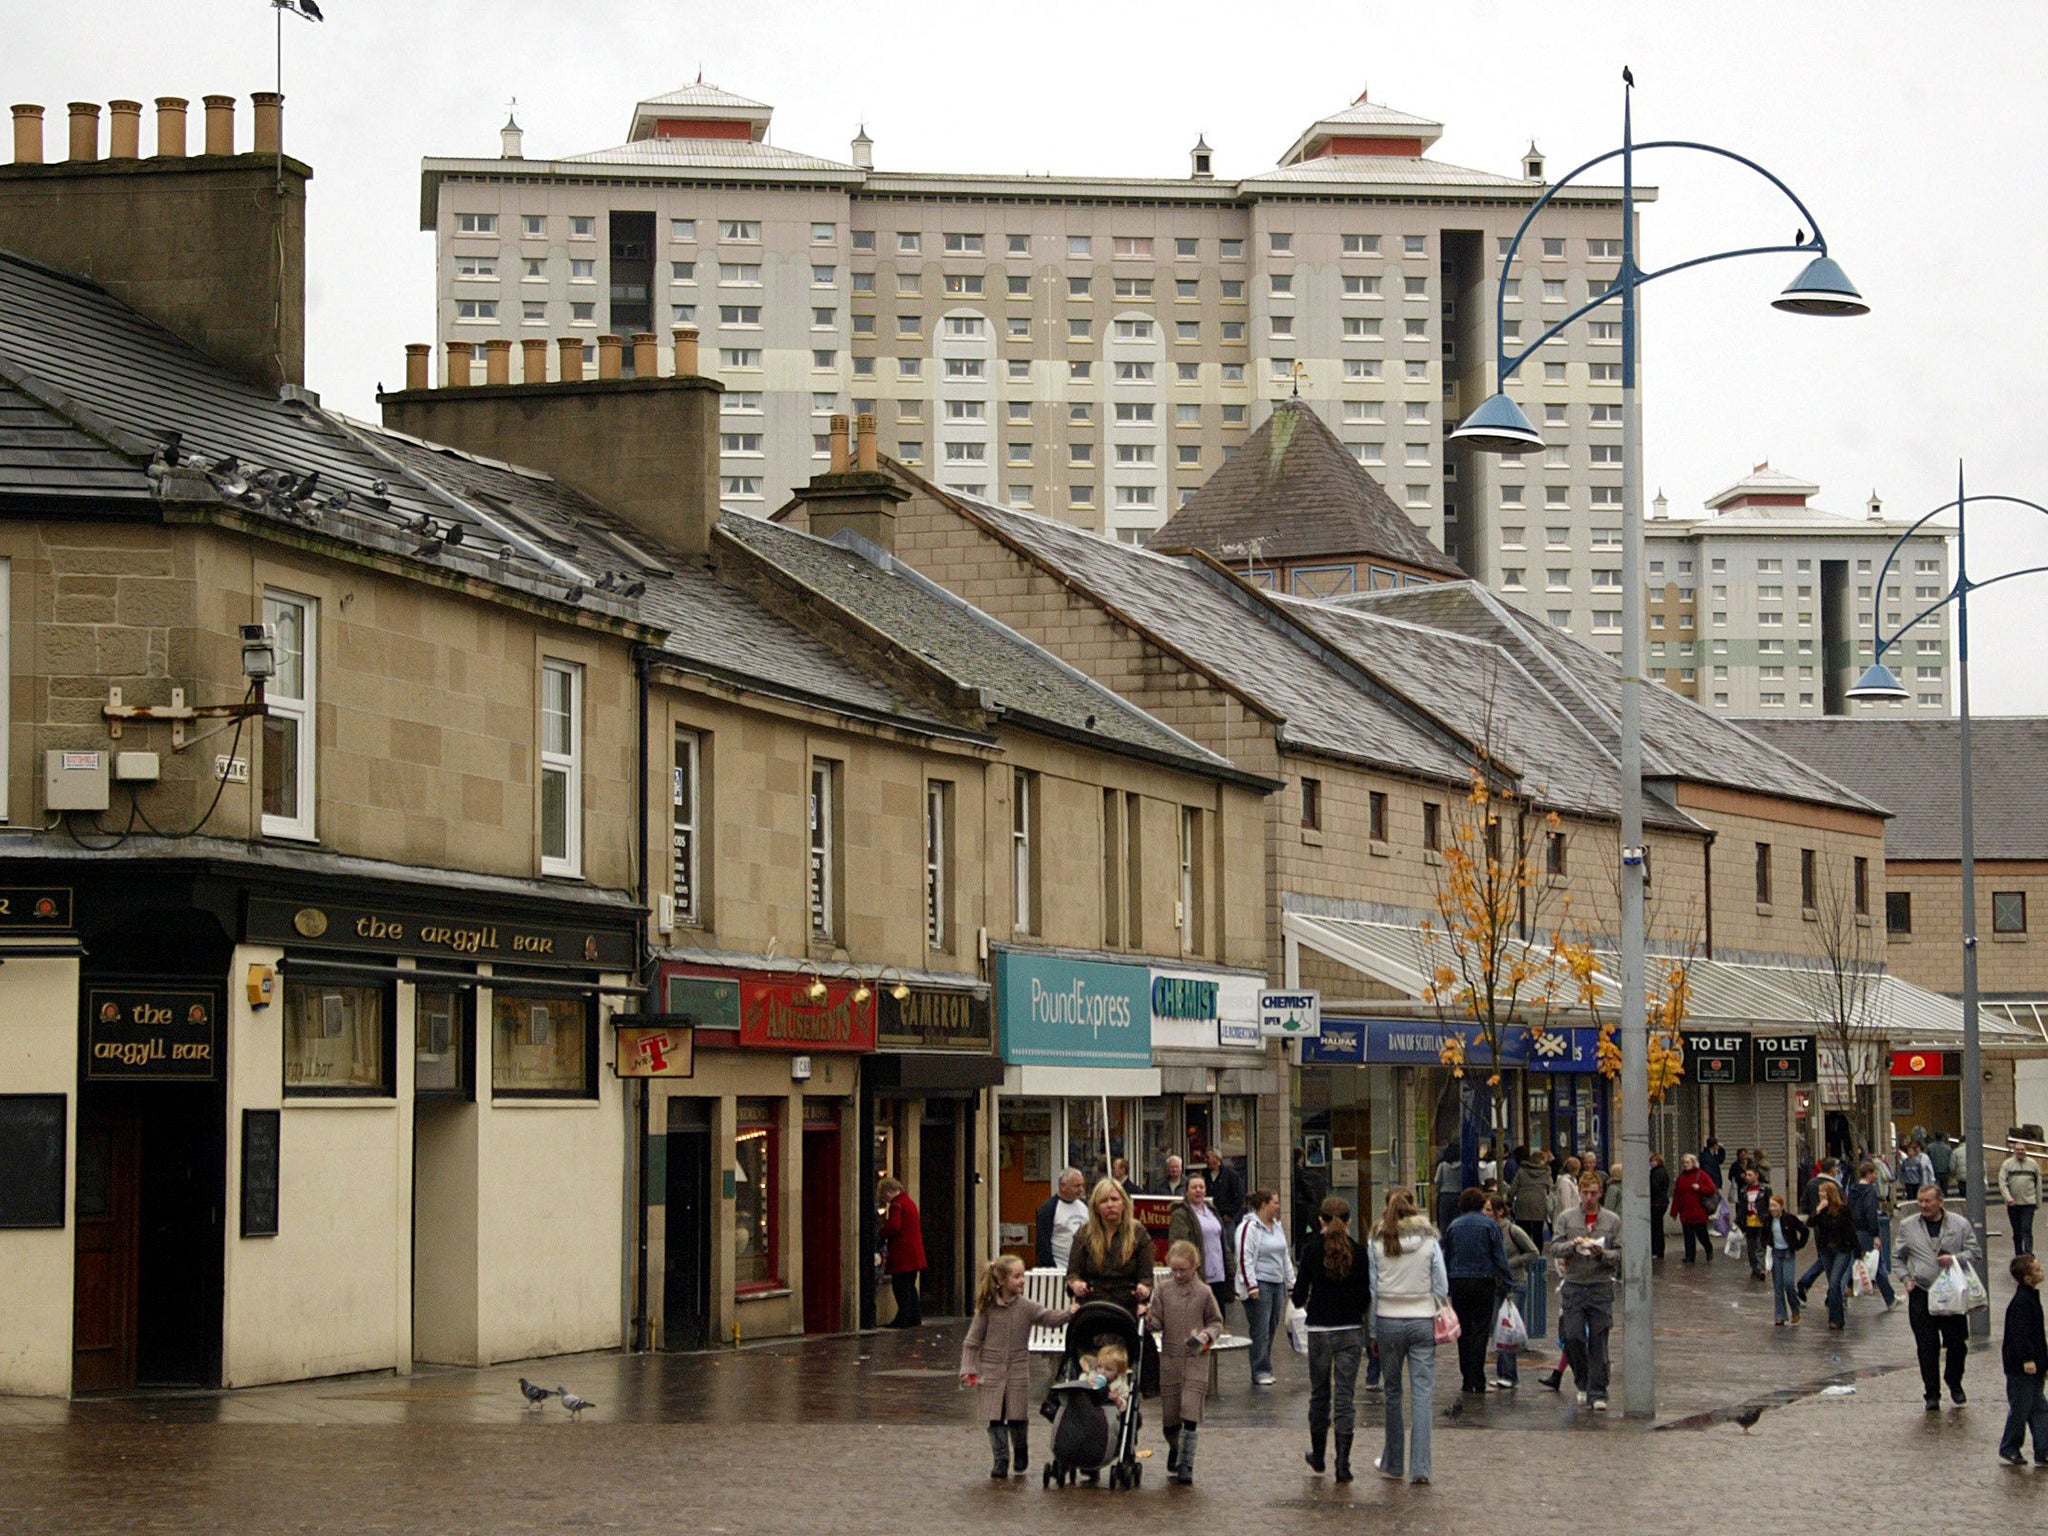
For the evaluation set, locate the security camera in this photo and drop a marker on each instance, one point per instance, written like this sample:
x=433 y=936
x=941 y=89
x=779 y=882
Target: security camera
x=259 y=651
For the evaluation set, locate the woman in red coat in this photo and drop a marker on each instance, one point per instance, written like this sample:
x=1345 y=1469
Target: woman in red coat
x=1693 y=1200
x=902 y=1235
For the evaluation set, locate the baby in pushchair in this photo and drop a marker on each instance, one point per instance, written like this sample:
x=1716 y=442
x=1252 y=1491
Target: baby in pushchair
x=1093 y=1401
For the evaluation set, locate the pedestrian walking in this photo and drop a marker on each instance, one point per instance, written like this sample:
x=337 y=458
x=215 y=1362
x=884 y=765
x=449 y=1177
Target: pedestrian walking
x=1752 y=1211
x=1873 y=1227
x=1489 y=1167
x=1226 y=1190
x=1712 y=1156
x=1915 y=1169
x=1186 y=1323
x=1195 y=1220
x=2025 y=1357
x=1564 y=1191
x=1062 y=1215
x=1525 y=1263
x=1450 y=1183
x=1836 y=1247
x=1784 y=1235
x=1265 y=1271
x=1476 y=1260
x=903 y=1260
x=1923 y=1245
x=1112 y=1254
x=2019 y=1181
x=1407 y=1280
x=1695 y=1196
x=1334 y=1288
x=1588 y=1246
x=1610 y=1193
x=1660 y=1202
x=995 y=1359
x=1942 y=1157
x=1824 y=1173
x=1529 y=1194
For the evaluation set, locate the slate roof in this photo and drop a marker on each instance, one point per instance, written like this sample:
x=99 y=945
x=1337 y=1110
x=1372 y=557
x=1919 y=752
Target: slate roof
x=44 y=453
x=707 y=96
x=1680 y=739
x=742 y=154
x=1015 y=677
x=1297 y=490
x=1914 y=767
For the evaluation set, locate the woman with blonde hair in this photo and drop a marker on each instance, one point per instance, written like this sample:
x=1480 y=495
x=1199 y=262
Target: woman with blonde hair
x=996 y=1360
x=1111 y=1259
x=1406 y=1275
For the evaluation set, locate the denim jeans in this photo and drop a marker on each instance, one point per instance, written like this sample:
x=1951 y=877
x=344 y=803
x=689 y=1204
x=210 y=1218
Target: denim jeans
x=1881 y=1240
x=1262 y=1315
x=1784 y=1288
x=1333 y=1355
x=1588 y=1319
x=1838 y=1286
x=2026 y=1409
x=2022 y=1219
x=1409 y=1341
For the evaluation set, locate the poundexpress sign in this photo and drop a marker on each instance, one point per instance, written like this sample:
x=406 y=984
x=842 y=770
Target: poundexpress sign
x=1056 y=1012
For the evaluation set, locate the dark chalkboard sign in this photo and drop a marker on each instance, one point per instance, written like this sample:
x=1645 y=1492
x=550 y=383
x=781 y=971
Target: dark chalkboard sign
x=32 y=1136
x=260 y=1129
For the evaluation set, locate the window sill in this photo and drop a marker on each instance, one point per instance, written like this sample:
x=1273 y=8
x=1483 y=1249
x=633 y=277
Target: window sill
x=1312 y=837
x=1432 y=856
x=1557 y=882
x=1862 y=919
x=2008 y=938
x=1765 y=909
x=1809 y=915
x=553 y=1101
x=294 y=1099
x=1893 y=936
x=764 y=1290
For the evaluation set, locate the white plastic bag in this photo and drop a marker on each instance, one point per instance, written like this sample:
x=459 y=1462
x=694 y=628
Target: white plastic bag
x=1735 y=1245
x=1973 y=1289
x=1297 y=1330
x=1860 y=1272
x=1510 y=1332
x=1949 y=1296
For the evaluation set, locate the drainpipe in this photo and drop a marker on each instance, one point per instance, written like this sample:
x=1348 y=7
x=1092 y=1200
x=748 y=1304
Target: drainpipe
x=640 y=1320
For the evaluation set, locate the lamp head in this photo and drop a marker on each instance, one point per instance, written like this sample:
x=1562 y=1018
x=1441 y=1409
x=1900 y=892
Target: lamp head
x=1822 y=289
x=861 y=993
x=899 y=990
x=1879 y=685
x=1498 y=426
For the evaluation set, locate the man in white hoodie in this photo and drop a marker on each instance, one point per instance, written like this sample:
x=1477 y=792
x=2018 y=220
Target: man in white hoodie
x=1587 y=1245
x=2019 y=1180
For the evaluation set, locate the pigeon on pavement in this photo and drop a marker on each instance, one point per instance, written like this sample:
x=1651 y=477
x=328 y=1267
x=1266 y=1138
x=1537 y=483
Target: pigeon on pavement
x=534 y=1396
x=572 y=1402
x=1749 y=1416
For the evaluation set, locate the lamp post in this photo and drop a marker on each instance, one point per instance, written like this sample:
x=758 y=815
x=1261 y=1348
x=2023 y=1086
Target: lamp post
x=1499 y=426
x=1880 y=683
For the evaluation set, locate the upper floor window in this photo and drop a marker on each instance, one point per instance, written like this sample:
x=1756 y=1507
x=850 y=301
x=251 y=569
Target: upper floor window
x=1312 y=804
x=1763 y=874
x=561 y=768
x=2008 y=911
x=824 y=873
x=686 y=825
x=1023 y=860
x=289 y=721
x=938 y=849
x=1190 y=912
x=1898 y=912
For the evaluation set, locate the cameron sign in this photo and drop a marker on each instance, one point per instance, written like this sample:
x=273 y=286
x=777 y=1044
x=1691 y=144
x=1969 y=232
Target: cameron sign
x=1073 y=1013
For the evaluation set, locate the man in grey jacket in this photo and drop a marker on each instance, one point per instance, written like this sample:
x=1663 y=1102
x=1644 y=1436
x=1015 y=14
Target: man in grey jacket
x=1923 y=1245
x=1587 y=1246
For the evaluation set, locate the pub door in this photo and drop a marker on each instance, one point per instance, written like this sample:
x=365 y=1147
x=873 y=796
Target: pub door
x=686 y=1251
x=109 y=1231
x=942 y=1196
x=823 y=1291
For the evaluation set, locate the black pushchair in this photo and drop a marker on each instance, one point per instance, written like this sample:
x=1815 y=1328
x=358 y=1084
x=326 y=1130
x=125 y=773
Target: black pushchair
x=1090 y=1434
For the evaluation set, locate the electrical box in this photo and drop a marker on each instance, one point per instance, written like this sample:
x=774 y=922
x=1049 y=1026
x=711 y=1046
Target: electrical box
x=74 y=781
x=136 y=768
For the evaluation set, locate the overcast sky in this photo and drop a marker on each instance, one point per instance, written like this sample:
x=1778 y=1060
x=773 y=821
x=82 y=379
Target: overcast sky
x=1915 y=133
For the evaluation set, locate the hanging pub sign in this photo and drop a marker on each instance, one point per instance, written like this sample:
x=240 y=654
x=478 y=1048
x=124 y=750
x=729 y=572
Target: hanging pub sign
x=1784 y=1058
x=655 y=1045
x=154 y=1034
x=1716 y=1060
x=925 y=1019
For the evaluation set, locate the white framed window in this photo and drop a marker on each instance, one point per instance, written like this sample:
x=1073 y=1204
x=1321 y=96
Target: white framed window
x=476 y=223
x=823 y=871
x=533 y=226
x=1136 y=246
x=738 y=274
x=289 y=724
x=561 y=767
x=824 y=234
x=1361 y=245
x=740 y=487
x=1415 y=245
x=682 y=229
x=748 y=230
x=476 y=309
x=1133 y=287
x=1134 y=411
x=968 y=283
x=476 y=266
x=740 y=314
x=1018 y=245
x=938 y=796
x=1023 y=866
x=686 y=800
x=1080 y=245
x=1133 y=330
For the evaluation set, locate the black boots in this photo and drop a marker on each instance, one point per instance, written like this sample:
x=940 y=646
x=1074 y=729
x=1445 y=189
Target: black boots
x=1183 y=1470
x=1020 y=1447
x=1172 y=1447
x=1318 y=1438
x=1343 y=1457
x=999 y=1448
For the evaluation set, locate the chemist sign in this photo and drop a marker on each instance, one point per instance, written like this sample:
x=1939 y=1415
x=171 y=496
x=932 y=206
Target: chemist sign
x=1291 y=1015
x=1055 y=1012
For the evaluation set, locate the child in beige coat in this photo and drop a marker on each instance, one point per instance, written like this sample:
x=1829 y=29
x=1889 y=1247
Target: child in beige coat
x=996 y=1360
x=1188 y=1322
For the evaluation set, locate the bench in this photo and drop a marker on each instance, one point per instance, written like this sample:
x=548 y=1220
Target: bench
x=1048 y=1287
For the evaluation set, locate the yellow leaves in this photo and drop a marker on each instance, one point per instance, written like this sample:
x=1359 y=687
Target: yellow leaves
x=1554 y=822
x=1608 y=1055
x=1667 y=1062
x=1446 y=978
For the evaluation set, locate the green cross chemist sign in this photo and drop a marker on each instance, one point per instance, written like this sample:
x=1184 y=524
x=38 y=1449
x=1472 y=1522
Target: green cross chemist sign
x=1291 y=1015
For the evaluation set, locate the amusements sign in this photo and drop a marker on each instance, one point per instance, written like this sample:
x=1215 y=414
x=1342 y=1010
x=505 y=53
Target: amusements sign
x=153 y=1035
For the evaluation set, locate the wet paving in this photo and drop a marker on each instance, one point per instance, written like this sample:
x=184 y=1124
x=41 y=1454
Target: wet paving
x=872 y=1433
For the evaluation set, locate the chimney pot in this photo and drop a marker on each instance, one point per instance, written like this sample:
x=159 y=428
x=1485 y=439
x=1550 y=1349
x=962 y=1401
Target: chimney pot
x=533 y=367
x=570 y=350
x=220 y=125
x=458 y=365
x=609 y=356
x=498 y=360
x=686 y=351
x=124 y=130
x=28 y=134
x=842 y=458
x=170 y=126
x=867 y=459
x=419 y=357
x=85 y=130
x=269 y=122
x=646 y=355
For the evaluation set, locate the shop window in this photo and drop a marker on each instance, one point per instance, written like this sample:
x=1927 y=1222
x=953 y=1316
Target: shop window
x=757 y=1194
x=686 y=823
x=288 y=747
x=337 y=1039
x=1023 y=852
x=442 y=1043
x=561 y=768
x=938 y=853
x=2008 y=911
x=1898 y=912
x=542 y=1047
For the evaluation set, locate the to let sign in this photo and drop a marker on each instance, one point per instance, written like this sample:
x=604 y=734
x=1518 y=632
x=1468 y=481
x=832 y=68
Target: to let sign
x=1717 y=1060
x=1784 y=1058
x=151 y=1034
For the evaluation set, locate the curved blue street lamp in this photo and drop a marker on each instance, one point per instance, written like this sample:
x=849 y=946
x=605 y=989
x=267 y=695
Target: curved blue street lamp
x=1499 y=426
x=1879 y=685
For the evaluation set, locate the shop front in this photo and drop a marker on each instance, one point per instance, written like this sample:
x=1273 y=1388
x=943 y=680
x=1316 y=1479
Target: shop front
x=1749 y=1089
x=1221 y=1084
x=753 y=1186
x=922 y=1111
x=1926 y=1094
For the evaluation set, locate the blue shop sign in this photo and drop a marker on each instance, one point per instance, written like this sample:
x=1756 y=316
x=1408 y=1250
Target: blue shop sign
x=1073 y=1013
x=1419 y=1042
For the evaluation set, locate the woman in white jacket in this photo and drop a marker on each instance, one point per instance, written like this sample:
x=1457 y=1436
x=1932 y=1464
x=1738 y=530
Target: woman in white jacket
x=1265 y=1274
x=1408 y=1283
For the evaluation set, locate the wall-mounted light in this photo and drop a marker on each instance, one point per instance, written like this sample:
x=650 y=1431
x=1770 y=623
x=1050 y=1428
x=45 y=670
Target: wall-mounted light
x=817 y=989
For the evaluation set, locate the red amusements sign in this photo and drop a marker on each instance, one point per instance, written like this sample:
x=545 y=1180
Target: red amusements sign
x=779 y=1014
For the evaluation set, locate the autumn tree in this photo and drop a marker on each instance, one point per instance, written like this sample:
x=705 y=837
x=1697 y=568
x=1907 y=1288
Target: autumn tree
x=1839 y=982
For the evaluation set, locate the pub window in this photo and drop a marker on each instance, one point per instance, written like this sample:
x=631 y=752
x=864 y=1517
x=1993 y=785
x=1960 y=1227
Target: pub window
x=1809 y=879
x=561 y=768
x=1763 y=874
x=1376 y=815
x=542 y=1047
x=1432 y=826
x=938 y=851
x=1862 y=875
x=757 y=1194
x=824 y=821
x=1898 y=912
x=1311 y=805
x=442 y=1033
x=686 y=825
x=337 y=1039
x=288 y=721
x=1023 y=861
x=1191 y=914
x=2008 y=911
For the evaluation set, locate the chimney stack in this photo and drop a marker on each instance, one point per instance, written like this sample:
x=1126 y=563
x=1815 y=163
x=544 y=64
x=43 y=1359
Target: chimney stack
x=498 y=360
x=609 y=349
x=269 y=122
x=124 y=130
x=170 y=127
x=570 y=349
x=533 y=365
x=458 y=365
x=857 y=497
x=866 y=458
x=28 y=134
x=85 y=130
x=220 y=125
x=686 y=352
x=842 y=458
x=419 y=362
x=646 y=355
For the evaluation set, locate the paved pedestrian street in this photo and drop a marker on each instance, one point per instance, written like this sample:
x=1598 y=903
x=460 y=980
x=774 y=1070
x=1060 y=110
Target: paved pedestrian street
x=872 y=1434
